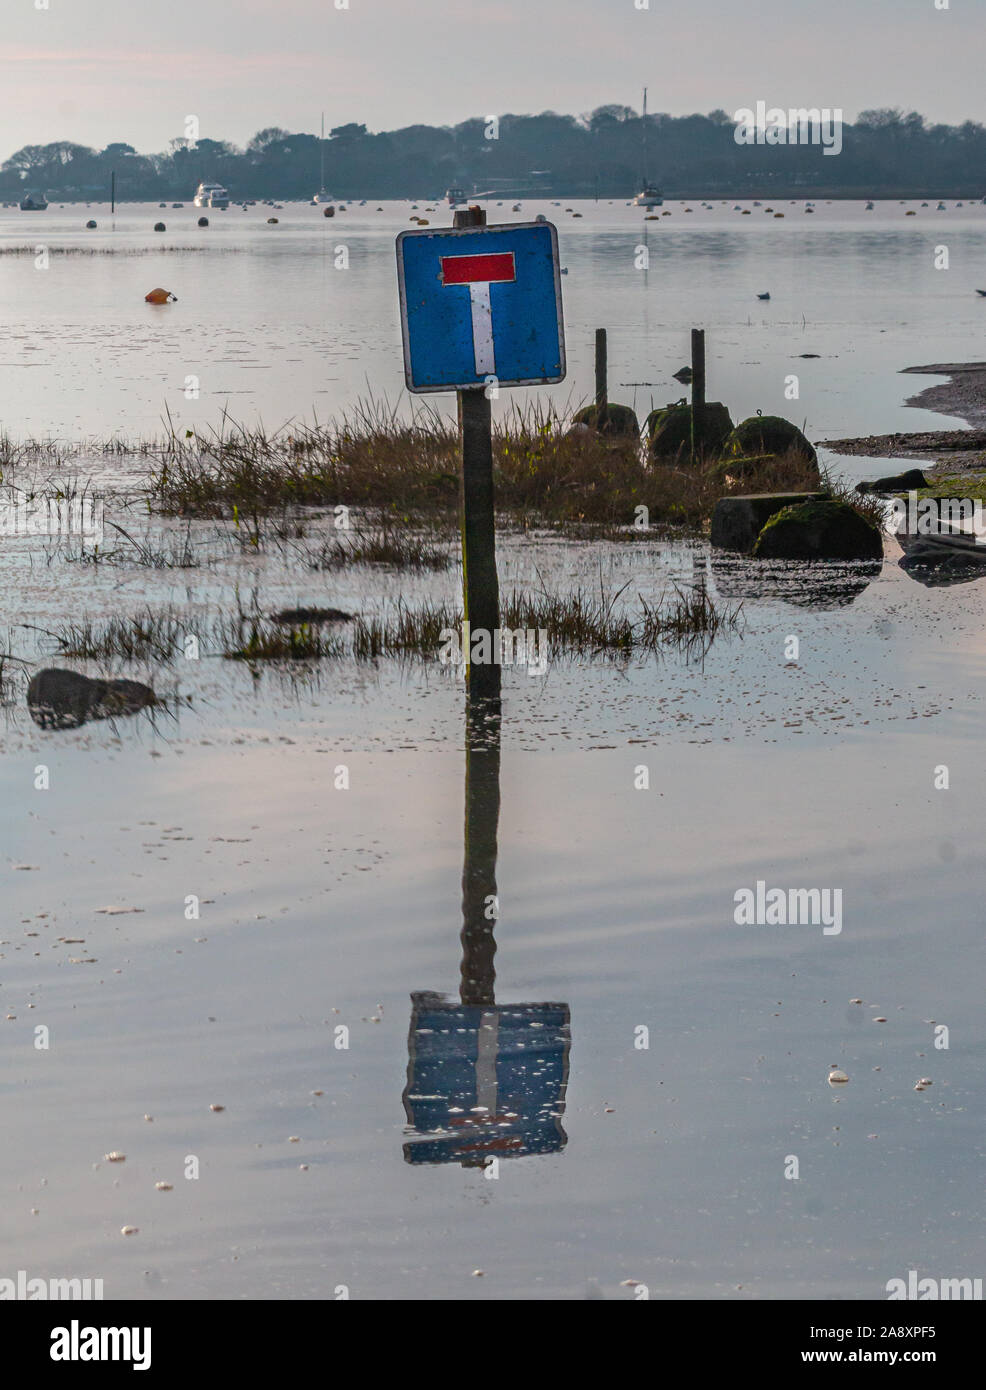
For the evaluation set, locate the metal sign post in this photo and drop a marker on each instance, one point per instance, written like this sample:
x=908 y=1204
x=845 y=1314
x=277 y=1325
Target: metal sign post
x=480 y=309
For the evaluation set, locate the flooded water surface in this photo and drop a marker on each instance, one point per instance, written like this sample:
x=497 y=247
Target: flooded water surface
x=319 y=987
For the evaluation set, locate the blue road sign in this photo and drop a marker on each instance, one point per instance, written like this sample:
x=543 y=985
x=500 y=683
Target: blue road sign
x=485 y=1081
x=481 y=302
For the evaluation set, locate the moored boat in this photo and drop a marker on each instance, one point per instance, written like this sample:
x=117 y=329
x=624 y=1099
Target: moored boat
x=211 y=195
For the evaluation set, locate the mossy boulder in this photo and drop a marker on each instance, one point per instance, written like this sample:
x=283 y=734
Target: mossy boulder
x=738 y=521
x=614 y=421
x=768 y=434
x=819 y=530
x=669 y=431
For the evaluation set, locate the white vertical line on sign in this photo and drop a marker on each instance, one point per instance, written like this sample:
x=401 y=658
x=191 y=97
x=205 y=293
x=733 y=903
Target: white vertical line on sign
x=482 y=327
x=489 y=1035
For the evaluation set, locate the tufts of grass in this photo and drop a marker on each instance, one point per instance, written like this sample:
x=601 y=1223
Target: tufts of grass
x=386 y=545
x=594 y=622
x=581 y=622
x=690 y=619
x=369 y=459
x=146 y=636
x=411 y=632
x=171 y=552
x=257 y=639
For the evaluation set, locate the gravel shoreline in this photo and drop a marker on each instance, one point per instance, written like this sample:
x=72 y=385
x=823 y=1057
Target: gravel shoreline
x=953 y=451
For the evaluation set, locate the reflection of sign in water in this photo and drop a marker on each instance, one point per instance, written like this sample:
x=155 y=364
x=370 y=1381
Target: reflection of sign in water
x=485 y=1081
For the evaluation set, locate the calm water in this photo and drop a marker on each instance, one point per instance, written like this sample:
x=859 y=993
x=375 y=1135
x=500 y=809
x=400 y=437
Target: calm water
x=274 y=331
x=323 y=907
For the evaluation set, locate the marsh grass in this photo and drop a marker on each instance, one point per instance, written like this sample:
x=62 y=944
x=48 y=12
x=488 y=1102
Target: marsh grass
x=595 y=621
x=57 y=452
x=12 y=676
x=392 y=545
x=259 y=639
x=410 y=632
x=146 y=636
x=583 y=622
x=544 y=472
x=151 y=552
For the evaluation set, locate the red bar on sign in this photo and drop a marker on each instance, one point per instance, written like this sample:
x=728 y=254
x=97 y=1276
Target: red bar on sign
x=470 y=270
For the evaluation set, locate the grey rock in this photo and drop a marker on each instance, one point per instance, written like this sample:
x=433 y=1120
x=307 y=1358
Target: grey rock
x=61 y=699
x=900 y=482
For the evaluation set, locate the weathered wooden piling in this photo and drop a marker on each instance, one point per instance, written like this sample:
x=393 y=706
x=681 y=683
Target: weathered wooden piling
x=698 y=392
x=602 y=388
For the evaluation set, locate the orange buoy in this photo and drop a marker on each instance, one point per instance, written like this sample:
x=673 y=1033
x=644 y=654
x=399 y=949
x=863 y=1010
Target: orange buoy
x=160 y=297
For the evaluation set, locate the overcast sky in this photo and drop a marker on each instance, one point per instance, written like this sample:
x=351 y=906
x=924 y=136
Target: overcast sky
x=100 y=70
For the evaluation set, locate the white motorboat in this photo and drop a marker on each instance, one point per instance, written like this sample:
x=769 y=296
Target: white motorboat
x=211 y=195
x=650 y=196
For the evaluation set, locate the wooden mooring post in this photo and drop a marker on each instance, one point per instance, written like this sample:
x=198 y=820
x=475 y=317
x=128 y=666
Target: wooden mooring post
x=602 y=386
x=698 y=391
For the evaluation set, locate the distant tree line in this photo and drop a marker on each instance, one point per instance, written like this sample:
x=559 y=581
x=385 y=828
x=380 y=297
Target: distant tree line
x=605 y=153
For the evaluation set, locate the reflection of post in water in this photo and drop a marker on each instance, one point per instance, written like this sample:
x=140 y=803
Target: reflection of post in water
x=699 y=573
x=484 y=1080
x=479 y=903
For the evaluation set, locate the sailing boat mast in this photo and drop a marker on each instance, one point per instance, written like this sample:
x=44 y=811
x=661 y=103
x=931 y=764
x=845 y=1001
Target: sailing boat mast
x=321 y=150
x=650 y=196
